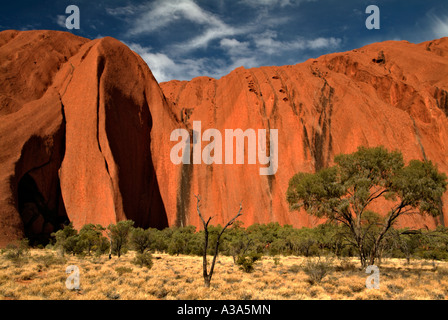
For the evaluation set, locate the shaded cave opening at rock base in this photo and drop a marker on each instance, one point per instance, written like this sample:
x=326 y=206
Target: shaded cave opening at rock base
x=39 y=219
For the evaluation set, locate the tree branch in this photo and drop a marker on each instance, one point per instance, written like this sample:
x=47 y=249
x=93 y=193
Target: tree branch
x=208 y=275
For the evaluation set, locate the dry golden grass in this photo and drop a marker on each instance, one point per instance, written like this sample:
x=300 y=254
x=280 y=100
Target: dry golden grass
x=43 y=276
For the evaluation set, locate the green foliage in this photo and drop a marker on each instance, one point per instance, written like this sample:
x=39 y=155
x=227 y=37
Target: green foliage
x=123 y=270
x=143 y=260
x=89 y=239
x=141 y=239
x=66 y=239
x=180 y=240
x=276 y=261
x=246 y=262
x=247 y=245
x=433 y=245
x=236 y=244
x=18 y=252
x=160 y=237
x=332 y=192
x=49 y=259
x=119 y=235
x=344 y=192
x=421 y=186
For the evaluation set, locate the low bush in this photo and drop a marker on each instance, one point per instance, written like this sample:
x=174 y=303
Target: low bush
x=122 y=270
x=317 y=268
x=143 y=260
x=49 y=259
x=246 y=262
x=294 y=268
x=17 y=252
x=346 y=265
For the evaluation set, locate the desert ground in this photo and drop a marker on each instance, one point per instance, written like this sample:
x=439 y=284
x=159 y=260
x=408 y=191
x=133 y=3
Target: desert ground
x=42 y=276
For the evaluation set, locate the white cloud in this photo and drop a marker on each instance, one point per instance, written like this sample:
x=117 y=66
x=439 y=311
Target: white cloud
x=268 y=43
x=123 y=11
x=152 y=17
x=235 y=47
x=258 y=3
x=246 y=44
x=440 y=26
x=164 y=68
x=321 y=43
x=202 y=40
x=239 y=53
x=272 y=3
x=60 y=20
x=159 y=63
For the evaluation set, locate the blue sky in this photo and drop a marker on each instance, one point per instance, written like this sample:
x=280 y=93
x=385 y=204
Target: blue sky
x=182 y=39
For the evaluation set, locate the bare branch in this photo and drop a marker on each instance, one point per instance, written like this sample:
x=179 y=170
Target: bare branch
x=208 y=275
x=198 y=197
x=232 y=220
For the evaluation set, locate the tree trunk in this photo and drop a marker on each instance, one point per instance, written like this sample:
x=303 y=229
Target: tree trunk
x=373 y=254
x=208 y=275
x=207 y=280
x=362 y=257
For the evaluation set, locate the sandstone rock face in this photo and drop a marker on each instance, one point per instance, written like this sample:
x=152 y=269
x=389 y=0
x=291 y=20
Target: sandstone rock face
x=75 y=134
x=391 y=93
x=107 y=173
x=85 y=130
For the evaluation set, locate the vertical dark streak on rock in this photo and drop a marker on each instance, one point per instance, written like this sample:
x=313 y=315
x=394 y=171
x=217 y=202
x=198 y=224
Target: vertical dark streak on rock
x=215 y=119
x=270 y=178
x=183 y=192
x=274 y=112
x=320 y=147
x=186 y=174
x=417 y=137
x=441 y=97
x=100 y=71
x=306 y=140
x=180 y=91
x=291 y=94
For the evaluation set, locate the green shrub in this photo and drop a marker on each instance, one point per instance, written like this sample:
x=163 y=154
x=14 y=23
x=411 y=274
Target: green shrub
x=91 y=239
x=182 y=241
x=346 y=265
x=49 y=259
x=120 y=234
x=143 y=260
x=294 y=268
x=276 y=261
x=102 y=246
x=246 y=262
x=141 y=239
x=122 y=270
x=65 y=239
x=434 y=254
x=17 y=252
x=317 y=268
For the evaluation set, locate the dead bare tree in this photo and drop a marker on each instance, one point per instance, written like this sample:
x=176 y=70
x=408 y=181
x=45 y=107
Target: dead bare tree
x=208 y=274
